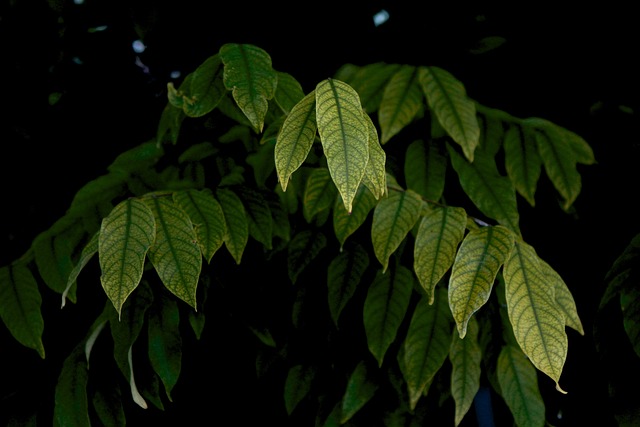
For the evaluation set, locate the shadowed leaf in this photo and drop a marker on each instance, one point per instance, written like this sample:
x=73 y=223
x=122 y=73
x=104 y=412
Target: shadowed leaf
x=344 y=274
x=401 y=101
x=465 y=356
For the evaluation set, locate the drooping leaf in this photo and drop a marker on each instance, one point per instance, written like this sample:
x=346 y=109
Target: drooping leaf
x=581 y=150
x=344 y=133
x=369 y=81
x=623 y=272
x=519 y=387
x=20 y=302
x=344 y=274
x=261 y=160
x=107 y=403
x=249 y=76
x=564 y=298
x=71 y=403
x=465 y=356
x=288 y=93
x=302 y=251
x=319 y=194
x=537 y=320
x=448 y=99
x=401 y=101
x=345 y=223
x=88 y=252
x=481 y=255
x=297 y=386
x=522 y=161
x=385 y=307
x=165 y=343
x=375 y=174
x=295 y=138
x=237 y=224
x=425 y=168
x=492 y=131
x=393 y=218
x=175 y=254
x=258 y=214
x=360 y=390
x=440 y=232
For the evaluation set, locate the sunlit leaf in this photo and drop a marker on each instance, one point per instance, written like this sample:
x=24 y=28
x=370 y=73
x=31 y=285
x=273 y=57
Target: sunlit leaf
x=343 y=276
x=88 y=252
x=360 y=390
x=71 y=403
x=236 y=220
x=440 y=232
x=302 y=251
x=522 y=161
x=465 y=356
x=319 y=193
x=425 y=168
x=563 y=298
x=481 y=255
x=344 y=133
x=288 y=93
x=385 y=307
x=125 y=237
x=375 y=174
x=393 y=218
x=297 y=386
x=345 y=223
x=401 y=101
x=165 y=343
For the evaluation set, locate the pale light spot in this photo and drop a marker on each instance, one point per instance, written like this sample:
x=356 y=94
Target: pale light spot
x=380 y=17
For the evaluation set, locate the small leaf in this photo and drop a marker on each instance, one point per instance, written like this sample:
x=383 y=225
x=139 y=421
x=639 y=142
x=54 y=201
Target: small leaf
x=303 y=249
x=465 y=356
x=345 y=223
x=425 y=168
x=71 y=404
x=237 y=224
x=319 y=194
x=165 y=343
x=375 y=174
x=522 y=161
x=401 y=101
x=169 y=125
x=258 y=215
x=360 y=390
x=344 y=274
x=206 y=88
x=297 y=386
x=87 y=253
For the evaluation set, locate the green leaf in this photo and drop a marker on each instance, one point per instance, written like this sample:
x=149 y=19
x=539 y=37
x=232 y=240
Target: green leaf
x=537 y=320
x=401 y=101
x=447 y=98
x=344 y=133
x=384 y=309
x=630 y=306
x=580 y=149
x=125 y=237
x=258 y=215
x=427 y=344
x=249 y=76
x=137 y=159
x=107 y=403
x=375 y=174
x=522 y=161
x=360 y=390
x=344 y=274
x=492 y=132
x=519 y=388
x=295 y=138
x=165 y=343
x=288 y=93
x=440 y=232
x=71 y=404
x=623 y=272
x=237 y=224
x=175 y=254
x=20 y=302
x=261 y=160
x=319 y=194
x=393 y=218
x=297 y=386
x=205 y=89
x=88 y=252
x=207 y=218
x=564 y=299
x=303 y=249
x=492 y=193
x=465 y=356
x=169 y=125
x=369 y=81
x=345 y=223
x=481 y=255
x=425 y=167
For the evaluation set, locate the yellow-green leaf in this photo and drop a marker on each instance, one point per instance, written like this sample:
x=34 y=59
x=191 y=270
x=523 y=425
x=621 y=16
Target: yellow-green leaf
x=522 y=161
x=393 y=218
x=319 y=193
x=345 y=223
x=288 y=93
x=401 y=101
x=448 y=100
x=537 y=320
x=295 y=138
x=360 y=389
x=343 y=276
x=375 y=174
x=87 y=253
x=519 y=388
x=477 y=263
x=465 y=356
x=203 y=90
x=237 y=225
x=563 y=298
x=249 y=75
x=126 y=235
x=581 y=151
x=344 y=133
x=425 y=167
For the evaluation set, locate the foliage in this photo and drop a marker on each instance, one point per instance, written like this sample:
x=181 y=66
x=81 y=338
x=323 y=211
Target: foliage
x=372 y=289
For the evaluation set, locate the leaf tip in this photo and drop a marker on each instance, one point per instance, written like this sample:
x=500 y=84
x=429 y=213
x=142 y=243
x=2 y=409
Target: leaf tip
x=560 y=388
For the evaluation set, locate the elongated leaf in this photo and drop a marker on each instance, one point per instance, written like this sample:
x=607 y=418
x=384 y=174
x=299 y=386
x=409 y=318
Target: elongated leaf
x=20 y=302
x=385 y=307
x=360 y=390
x=522 y=161
x=369 y=81
x=344 y=133
x=344 y=274
x=319 y=194
x=207 y=218
x=249 y=76
x=107 y=403
x=345 y=223
x=563 y=298
x=169 y=125
x=297 y=386
x=519 y=388
x=465 y=356
x=206 y=88
x=237 y=224
x=623 y=272
x=481 y=255
x=427 y=344
x=492 y=130
x=401 y=101
x=303 y=249
x=538 y=323
x=71 y=403
x=288 y=93
x=441 y=231
x=581 y=151
x=375 y=174
x=165 y=343
x=492 y=193
x=295 y=138
x=258 y=215
x=393 y=218
x=425 y=168
x=447 y=98
x=175 y=254
x=87 y=253
x=630 y=306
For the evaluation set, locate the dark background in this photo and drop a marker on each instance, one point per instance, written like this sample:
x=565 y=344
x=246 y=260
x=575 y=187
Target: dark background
x=575 y=66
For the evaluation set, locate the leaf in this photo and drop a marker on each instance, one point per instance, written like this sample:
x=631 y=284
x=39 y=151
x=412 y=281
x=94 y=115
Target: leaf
x=440 y=232
x=207 y=218
x=343 y=276
x=261 y=160
x=427 y=344
x=492 y=193
x=522 y=161
x=564 y=299
x=480 y=257
x=237 y=224
x=125 y=237
x=519 y=388
x=169 y=125
x=360 y=390
x=630 y=306
x=447 y=98
x=623 y=272
x=20 y=302
x=465 y=356
x=369 y=81
x=401 y=101
x=249 y=76
x=175 y=254
x=295 y=138
x=384 y=309
x=302 y=250
x=258 y=215
x=581 y=151
x=165 y=343
x=538 y=323
x=206 y=88
x=375 y=174
x=425 y=168
x=71 y=404
x=297 y=386
x=288 y=93
x=393 y=218
x=87 y=253
x=492 y=131
x=319 y=194
x=137 y=159
x=345 y=223
x=344 y=133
